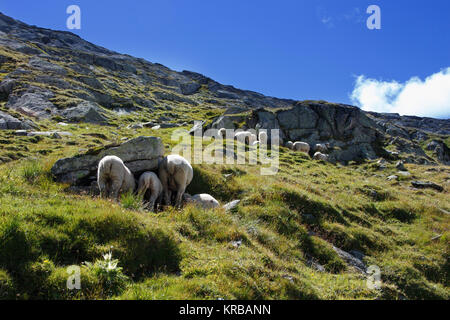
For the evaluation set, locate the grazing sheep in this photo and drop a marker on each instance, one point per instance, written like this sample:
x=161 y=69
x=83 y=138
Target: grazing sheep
x=113 y=177
x=245 y=136
x=175 y=173
x=289 y=145
x=149 y=181
x=320 y=156
x=222 y=132
x=204 y=200
x=301 y=147
x=262 y=137
x=321 y=147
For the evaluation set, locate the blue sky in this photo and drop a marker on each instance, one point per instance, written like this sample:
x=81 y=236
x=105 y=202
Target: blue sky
x=295 y=49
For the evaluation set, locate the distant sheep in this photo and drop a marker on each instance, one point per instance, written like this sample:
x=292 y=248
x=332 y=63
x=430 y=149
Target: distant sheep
x=289 y=145
x=222 y=132
x=175 y=173
x=245 y=136
x=203 y=200
x=113 y=177
x=321 y=147
x=149 y=182
x=262 y=137
x=320 y=156
x=301 y=147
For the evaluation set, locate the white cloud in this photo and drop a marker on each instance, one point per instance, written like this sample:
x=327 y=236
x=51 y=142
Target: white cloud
x=427 y=98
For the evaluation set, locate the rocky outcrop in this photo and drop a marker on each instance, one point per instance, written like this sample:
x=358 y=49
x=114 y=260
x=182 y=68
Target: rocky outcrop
x=440 y=151
x=139 y=154
x=85 y=112
x=8 y=122
x=350 y=133
x=426 y=125
x=53 y=74
x=33 y=102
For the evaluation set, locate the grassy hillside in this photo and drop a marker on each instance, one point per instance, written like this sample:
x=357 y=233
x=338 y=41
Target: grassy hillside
x=264 y=249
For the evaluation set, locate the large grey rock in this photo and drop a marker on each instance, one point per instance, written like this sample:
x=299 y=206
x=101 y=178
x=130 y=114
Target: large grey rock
x=32 y=102
x=46 y=66
x=6 y=87
x=139 y=154
x=8 y=122
x=351 y=260
x=440 y=151
x=189 y=88
x=299 y=117
x=85 y=112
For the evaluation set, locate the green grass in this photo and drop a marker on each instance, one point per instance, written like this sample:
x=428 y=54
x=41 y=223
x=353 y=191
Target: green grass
x=282 y=222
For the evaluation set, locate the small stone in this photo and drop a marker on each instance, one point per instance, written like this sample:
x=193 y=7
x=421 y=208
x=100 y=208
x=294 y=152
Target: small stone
x=404 y=173
x=231 y=205
x=393 y=177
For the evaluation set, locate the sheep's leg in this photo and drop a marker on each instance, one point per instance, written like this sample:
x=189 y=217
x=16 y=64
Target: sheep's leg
x=115 y=189
x=165 y=184
x=102 y=187
x=179 y=197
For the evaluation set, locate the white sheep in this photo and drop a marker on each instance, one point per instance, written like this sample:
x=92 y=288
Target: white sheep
x=203 y=200
x=262 y=137
x=321 y=147
x=301 y=147
x=222 y=132
x=175 y=173
x=289 y=145
x=149 y=182
x=113 y=177
x=320 y=156
x=246 y=137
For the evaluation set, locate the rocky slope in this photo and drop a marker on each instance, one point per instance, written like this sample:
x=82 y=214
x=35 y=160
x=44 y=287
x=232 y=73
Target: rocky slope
x=56 y=75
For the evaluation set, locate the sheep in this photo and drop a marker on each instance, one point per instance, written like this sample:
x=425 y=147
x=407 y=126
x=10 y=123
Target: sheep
x=222 y=132
x=203 y=200
x=149 y=181
x=301 y=146
x=175 y=173
x=246 y=137
x=320 y=156
x=289 y=144
x=262 y=137
x=321 y=147
x=113 y=177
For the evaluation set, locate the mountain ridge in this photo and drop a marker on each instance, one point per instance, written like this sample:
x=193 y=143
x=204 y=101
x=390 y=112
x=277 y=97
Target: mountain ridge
x=57 y=75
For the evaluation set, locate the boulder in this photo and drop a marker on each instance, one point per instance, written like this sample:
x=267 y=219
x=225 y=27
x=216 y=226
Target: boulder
x=351 y=260
x=85 y=112
x=33 y=102
x=139 y=155
x=440 y=151
x=427 y=184
x=189 y=88
x=8 y=122
x=231 y=205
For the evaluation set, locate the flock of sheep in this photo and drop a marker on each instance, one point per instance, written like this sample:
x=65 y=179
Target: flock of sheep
x=249 y=138
x=319 y=149
x=175 y=173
